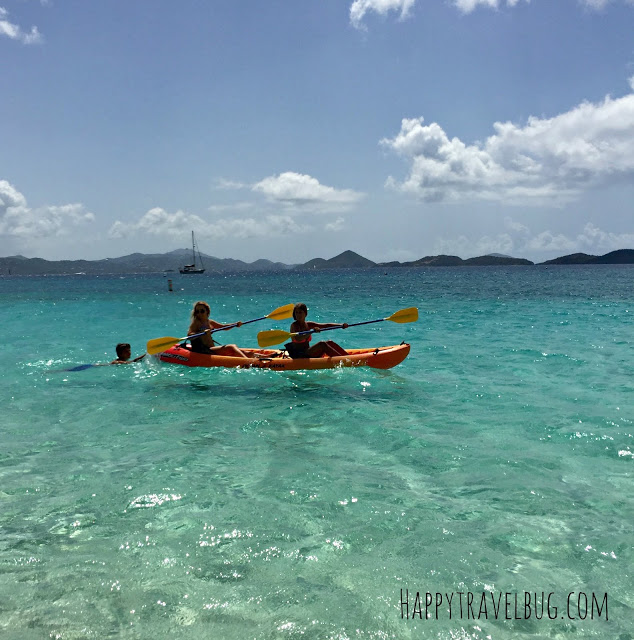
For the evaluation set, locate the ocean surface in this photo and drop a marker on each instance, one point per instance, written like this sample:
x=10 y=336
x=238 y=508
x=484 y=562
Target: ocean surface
x=157 y=501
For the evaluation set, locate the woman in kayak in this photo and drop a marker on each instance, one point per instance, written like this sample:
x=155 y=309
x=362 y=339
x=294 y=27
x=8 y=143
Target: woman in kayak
x=300 y=345
x=200 y=321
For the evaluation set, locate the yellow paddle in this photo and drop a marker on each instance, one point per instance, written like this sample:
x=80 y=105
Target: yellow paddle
x=275 y=336
x=159 y=345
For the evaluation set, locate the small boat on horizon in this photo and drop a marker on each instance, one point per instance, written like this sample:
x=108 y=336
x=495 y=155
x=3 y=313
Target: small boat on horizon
x=193 y=268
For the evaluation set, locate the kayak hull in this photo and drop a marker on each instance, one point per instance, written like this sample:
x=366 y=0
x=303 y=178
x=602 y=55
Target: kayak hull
x=378 y=358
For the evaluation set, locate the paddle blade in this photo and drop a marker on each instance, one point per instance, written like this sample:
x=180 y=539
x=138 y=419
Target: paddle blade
x=404 y=315
x=282 y=313
x=158 y=345
x=81 y=367
x=274 y=336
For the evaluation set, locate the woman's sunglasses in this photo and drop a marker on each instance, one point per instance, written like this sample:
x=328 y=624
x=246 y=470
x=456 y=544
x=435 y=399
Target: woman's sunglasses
x=200 y=311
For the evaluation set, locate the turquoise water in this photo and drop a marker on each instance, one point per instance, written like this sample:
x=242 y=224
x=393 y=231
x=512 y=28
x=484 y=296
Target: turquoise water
x=154 y=501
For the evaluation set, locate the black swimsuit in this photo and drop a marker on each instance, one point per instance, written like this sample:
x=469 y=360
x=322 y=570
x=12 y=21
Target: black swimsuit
x=198 y=346
x=298 y=349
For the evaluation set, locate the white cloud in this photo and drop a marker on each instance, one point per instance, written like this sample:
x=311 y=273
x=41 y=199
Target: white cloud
x=336 y=225
x=466 y=248
x=159 y=222
x=547 y=241
x=294 y=192
x=223 y=183
x=602 y=241
x=298 y=191
x=271 y=225
x=15 y=32
x=547 y=161
x=235 y=206
x=400 y=255
x=600 y=4
x=467 y=6
x=10 y=197
x=516 y=227
x=519 y=241
x=359 y=8
x=19 y=220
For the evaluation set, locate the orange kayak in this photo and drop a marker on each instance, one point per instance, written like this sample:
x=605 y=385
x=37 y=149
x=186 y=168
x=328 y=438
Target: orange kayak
x=379 y=358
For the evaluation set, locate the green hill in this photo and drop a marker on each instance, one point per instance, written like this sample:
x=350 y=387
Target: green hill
x=455 y=261
x=573 y=258
x=345 y=260
x=171 y=261
x=621 y=256
x=490 y=261
x=132 y=263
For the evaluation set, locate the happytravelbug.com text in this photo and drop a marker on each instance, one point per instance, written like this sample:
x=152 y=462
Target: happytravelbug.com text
x=488 y=605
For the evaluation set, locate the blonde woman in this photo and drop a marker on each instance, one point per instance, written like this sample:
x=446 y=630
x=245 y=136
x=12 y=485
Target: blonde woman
x=200 y=321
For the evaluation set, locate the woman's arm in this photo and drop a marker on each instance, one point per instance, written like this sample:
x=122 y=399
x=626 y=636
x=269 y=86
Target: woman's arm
x=326 y=325
x=196 y=327
x=220 y=325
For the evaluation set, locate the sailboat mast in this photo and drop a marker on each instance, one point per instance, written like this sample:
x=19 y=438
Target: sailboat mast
x=200 y=258
x=191 y=268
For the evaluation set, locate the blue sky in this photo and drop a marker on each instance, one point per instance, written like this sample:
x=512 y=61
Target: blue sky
x=290 y=130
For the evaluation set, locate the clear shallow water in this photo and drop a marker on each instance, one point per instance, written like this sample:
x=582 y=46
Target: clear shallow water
x=157 y=501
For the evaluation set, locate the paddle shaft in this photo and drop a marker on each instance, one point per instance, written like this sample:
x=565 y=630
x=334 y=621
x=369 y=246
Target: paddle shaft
x=202 y=333
x=282 y=312
x=162 y=344
x=269 y=338
x=235 y=324
x=231 y=326
x=354 y=324
x=170 y=342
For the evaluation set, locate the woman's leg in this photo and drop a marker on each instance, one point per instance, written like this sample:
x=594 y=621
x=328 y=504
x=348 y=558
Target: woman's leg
x=316 y=351
x=326 y=348
x=237 y=351
x=229 y=350
x=336 y=349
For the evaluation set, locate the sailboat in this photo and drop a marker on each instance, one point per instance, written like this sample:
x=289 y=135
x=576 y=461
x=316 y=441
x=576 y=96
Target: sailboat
x=192 y=268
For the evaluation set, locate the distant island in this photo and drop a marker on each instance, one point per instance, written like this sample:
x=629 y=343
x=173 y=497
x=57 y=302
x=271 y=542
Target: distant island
x=168 y=263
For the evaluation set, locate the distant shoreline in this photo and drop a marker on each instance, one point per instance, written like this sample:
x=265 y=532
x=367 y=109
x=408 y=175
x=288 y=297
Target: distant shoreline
x=168 y=263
